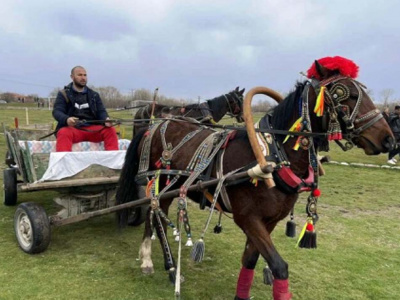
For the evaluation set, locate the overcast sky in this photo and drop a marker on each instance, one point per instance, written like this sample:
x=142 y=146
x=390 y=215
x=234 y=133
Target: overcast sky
x=194 y=48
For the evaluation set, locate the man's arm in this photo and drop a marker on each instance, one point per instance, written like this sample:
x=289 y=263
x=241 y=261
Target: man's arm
x=60 y=110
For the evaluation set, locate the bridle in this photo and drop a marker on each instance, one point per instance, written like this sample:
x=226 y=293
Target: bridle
x=335 y=94
x=235 y=109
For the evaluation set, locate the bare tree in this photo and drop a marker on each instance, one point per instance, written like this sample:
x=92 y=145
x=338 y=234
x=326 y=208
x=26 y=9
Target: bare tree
x=386 y=95
x=54 y=92
x=7 y=97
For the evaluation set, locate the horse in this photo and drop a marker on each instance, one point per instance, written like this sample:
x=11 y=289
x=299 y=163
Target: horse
x=210 y=111
x=330 y=105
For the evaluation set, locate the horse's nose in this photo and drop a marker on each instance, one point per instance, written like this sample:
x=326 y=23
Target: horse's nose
x=389 y=143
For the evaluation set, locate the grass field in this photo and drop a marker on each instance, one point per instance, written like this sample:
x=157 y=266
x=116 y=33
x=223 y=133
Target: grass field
x=358 y=254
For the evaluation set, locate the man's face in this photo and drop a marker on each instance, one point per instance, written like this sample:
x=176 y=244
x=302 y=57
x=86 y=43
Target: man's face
x=79 y=77
x=397 y=111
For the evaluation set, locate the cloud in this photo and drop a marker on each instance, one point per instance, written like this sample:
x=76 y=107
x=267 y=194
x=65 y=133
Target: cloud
x=191 y=48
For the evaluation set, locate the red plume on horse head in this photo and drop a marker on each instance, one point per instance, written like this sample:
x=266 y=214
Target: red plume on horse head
x=344 y=66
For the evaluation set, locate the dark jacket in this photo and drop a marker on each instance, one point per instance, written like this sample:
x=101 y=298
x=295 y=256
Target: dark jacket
x=394 y=123
x=63 y=108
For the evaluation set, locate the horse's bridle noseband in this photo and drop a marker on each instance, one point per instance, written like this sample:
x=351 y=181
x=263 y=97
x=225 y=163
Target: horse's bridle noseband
x=336 y=93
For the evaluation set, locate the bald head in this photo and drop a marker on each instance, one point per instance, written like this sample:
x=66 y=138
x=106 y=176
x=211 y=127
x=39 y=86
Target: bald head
x=76 y=69
x=79 y=77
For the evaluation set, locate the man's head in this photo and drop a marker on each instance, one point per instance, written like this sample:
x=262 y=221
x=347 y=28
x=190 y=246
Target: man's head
x=397 y=109
x=79 y=77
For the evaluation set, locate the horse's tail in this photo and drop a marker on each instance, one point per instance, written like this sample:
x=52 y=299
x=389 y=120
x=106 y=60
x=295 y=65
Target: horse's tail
x=128 y=189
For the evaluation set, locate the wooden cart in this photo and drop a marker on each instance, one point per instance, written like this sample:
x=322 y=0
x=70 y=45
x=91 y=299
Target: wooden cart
x=91 y=190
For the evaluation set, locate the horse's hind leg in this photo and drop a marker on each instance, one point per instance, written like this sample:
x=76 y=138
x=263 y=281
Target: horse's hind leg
x=145 y=248
x=246 y=275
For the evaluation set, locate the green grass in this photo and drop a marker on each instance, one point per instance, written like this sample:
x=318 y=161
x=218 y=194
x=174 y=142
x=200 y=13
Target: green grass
x=358 y=254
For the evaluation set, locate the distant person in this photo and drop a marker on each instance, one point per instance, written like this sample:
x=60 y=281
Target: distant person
x=386 y=114
x=394 y=123
x=78 y=102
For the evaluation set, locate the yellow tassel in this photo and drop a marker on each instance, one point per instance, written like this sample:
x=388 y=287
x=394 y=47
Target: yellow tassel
x=295 y=127
x=297 y=145
x=319 y=104
x=303 y=231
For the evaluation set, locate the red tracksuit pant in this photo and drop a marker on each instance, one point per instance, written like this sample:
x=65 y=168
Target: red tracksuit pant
x=67 y=136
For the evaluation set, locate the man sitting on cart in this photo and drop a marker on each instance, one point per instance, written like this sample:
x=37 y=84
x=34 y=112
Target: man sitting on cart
x=75 y=104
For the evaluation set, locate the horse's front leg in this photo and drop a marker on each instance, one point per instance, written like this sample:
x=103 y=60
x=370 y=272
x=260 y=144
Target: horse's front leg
x=246 y=275
x=258 y=234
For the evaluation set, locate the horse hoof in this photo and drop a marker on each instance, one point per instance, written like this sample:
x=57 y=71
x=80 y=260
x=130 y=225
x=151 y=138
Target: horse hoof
x=148 y=270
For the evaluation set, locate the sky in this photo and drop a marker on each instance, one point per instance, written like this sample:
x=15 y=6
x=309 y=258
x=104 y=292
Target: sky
x=190 y=49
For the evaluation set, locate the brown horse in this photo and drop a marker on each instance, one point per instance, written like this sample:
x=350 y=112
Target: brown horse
x=257 y=209
x=210 y=111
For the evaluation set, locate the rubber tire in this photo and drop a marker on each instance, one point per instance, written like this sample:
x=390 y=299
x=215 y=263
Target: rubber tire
x=39 y=226
x=137 y=215
x=10 y=187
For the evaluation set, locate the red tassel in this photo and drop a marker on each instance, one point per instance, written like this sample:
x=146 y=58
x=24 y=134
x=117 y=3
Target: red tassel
x=158 y=164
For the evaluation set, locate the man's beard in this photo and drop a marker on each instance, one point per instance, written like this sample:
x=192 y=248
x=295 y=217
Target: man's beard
x=79 y=85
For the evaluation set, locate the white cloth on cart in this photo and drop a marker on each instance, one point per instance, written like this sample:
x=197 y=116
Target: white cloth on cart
x=67 y=164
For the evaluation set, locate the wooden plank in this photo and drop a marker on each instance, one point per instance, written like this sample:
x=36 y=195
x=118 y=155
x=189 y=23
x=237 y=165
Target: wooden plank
x=20 y=159
x=199 y=186
x=48 y=185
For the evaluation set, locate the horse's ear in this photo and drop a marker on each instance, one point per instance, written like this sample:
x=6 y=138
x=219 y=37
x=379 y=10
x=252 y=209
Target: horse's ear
x=321 y=70
x=237 y=89
x=241 y=92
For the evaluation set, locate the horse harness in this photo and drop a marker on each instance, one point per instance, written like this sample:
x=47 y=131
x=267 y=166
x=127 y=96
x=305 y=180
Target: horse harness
x=335 y=93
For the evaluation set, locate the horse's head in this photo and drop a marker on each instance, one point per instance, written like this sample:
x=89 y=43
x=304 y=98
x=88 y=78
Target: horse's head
x=348 y=108
x=235 y=104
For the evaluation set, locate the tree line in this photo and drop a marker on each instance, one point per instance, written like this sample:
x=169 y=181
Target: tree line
x=113 y=98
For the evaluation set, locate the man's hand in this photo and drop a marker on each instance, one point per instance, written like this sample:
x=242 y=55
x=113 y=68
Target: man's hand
x=108 y=124
x=72 y=121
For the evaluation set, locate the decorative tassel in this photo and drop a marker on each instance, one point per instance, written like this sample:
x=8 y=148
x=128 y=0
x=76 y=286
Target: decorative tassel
x=319 y=104
x=189 y=242
x=296 y=127
x=297 y=144
x=197 y=253
x=158 y=164
x=218 y=229
x=268 y=278
x=172 y=275
x=290 y=228
x=308 y=236
x=254 y=181
x=149 y=187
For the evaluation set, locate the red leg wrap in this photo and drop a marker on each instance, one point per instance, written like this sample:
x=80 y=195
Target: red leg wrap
x=245 y=281
x=281 y=289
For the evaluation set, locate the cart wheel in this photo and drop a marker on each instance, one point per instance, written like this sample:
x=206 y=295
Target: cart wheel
x=137 y=215
x=10 y=186
x=32 y=228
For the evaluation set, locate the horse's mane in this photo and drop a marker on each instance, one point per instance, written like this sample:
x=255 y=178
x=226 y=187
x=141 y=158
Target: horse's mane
x=282 y=114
